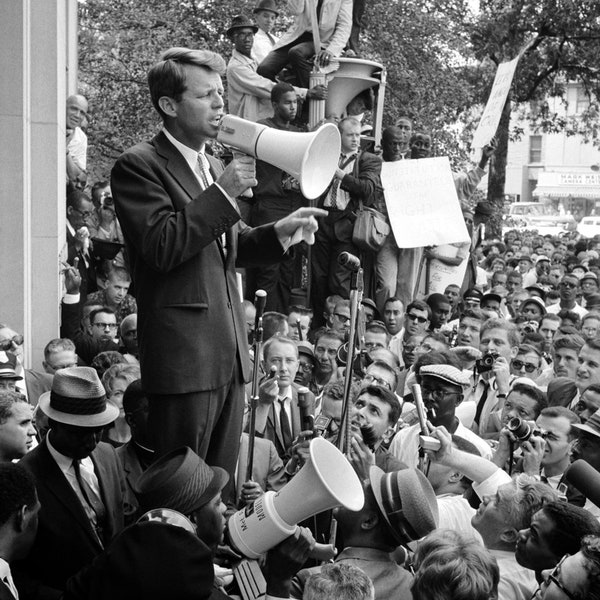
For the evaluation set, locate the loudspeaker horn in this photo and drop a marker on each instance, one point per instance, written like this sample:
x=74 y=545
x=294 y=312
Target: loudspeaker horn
x=326 y=480
x=311 y=158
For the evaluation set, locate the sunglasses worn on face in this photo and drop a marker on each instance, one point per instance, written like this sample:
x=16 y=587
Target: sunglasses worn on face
x=416 y=318
x=17 y=340
x=519 y=364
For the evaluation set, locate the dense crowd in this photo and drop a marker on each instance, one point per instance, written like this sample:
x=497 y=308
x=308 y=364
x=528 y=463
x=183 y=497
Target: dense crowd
x=470 y=415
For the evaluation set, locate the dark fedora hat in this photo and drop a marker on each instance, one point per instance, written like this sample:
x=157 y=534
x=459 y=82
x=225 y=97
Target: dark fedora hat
x=105 y=249
x=179 y=480
x=407 y=502
x=78 y=398
x=241 y=22
x=266 y=5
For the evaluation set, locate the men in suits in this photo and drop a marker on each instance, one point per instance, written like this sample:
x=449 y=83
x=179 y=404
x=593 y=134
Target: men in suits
x=19 y=507
x=16 y=426
x=356 y=179
x=79 y=482
x=277 y=413
x=182 y=228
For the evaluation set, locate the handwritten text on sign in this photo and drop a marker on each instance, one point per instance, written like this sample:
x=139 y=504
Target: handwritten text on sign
x=422 y=204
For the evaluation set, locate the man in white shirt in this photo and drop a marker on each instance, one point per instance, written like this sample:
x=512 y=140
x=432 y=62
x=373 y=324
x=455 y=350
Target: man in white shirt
x=265 y=14
x=442 y=387
x=19 y=507
x=568 y=288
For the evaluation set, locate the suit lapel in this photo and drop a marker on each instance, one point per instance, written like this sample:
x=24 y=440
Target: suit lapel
x=177 y=166
x=57 y=484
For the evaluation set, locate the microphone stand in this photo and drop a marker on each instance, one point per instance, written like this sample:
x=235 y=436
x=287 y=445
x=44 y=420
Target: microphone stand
x=260 y=300
x=344 y=436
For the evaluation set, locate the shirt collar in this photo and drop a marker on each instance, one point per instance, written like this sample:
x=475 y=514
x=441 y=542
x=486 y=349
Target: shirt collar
x=64 y=462
x=189 y=154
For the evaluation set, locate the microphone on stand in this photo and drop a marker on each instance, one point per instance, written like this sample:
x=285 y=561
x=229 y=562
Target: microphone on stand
x=351 y=262
x=260 y=301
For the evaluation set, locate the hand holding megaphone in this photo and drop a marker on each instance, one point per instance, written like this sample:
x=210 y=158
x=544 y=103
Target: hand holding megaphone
x=239 y=175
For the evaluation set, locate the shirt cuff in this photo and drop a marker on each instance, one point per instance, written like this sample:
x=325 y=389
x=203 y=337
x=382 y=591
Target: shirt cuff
x=71 y=298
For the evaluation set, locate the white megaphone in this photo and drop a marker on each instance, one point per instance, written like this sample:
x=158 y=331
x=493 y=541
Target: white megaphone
x=326 y=480
x=311 y=158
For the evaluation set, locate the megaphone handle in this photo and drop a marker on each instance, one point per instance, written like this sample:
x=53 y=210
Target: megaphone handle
x=237 y=154
x=323 y=552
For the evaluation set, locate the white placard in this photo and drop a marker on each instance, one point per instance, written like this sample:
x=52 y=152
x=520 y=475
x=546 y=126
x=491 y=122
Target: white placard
x=422 y=204
x=490 y=119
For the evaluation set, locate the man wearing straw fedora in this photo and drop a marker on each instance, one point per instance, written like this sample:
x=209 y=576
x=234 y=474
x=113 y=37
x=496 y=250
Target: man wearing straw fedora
x=79 y=483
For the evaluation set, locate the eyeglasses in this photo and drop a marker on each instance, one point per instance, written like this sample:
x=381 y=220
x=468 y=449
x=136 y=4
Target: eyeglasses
x=519 y=364
x=306 y=367
x=437 y=395
x=368 y=378
x=16 y=340
x=105 y=325
x=554 y=577
x=413 y=317
x=342 y=318
x=86 y=214
x=568 y=284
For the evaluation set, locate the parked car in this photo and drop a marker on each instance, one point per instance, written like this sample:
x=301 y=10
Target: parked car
x=589 y=226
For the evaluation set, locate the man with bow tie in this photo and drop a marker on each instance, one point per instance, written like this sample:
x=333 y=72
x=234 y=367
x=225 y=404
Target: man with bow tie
x=357 y=178
x=183 y=233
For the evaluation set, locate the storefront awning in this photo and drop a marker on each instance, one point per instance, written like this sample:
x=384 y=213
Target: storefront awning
x=561 y=191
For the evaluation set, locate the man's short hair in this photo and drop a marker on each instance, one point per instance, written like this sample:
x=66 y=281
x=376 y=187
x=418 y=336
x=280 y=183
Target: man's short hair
x=58 y=345
x=472 y=313
x=17 y=489
x=526 y=348
x=301 y=310
x=530 y=496
x=553 y=412
x=279 y=89
x=376 y=327
x=8 y=399
x=570 y=315
x=570 y=341
x=388 y=397
x=451 y=565
x=282 y=339
x=134 y=396
x=274 y=324
x=392 y=299
x=380 y=364
x=352 y=120
x=118 y=274
x=420 y=305
x=590 y=315
x=75 y=198
x=104 y=360
x=551 y=317
x=104 y=309
x=533 y=393
x=326 y=332
x=593 y=343
x=512 y=333
x=167 y=77
x=339 y=581
x=570 y=524
x=334 y=390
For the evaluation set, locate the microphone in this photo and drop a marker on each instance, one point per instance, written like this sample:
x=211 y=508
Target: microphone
x=260 y=300
x=351 y=262
x=305 y=406
x=586 y=479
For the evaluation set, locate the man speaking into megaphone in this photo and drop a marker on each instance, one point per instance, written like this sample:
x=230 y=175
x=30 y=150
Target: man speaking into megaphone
x=184 y=237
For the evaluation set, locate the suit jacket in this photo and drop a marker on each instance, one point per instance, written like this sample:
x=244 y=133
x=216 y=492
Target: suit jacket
x=85 y=267
x=335 y=24
x=364 y=183
x=5 y=593
x=268 y=469
x=191 y=328
x=36 y=383
x=65 y=541
x=132 y=469
x=273 y=428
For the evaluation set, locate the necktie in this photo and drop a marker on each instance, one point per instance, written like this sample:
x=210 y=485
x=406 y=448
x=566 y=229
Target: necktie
x=336 y=184
x=271 y=39
x=481 y=403
x=286 y=431
x=202 y=170
x=91 y=497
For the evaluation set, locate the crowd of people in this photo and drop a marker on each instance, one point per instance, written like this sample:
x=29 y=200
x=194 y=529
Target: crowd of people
x=470 y=415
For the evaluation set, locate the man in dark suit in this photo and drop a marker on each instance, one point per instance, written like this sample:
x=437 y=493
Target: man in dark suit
x=182 y=229
x=79 y=482
x=277 y=413
x=356 y=179
x=19 y=507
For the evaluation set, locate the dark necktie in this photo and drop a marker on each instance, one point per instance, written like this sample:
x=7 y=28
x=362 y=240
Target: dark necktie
x=481 y=403
x=286 y=431
x=91 y=497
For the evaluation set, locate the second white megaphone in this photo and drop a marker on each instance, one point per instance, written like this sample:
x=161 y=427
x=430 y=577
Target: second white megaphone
x=325 y=481
x=311 y=158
